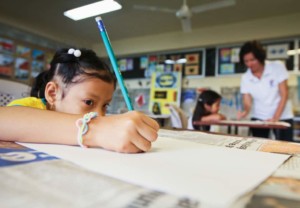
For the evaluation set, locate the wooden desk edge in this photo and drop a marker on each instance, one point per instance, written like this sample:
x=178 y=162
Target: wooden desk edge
x=258 y=125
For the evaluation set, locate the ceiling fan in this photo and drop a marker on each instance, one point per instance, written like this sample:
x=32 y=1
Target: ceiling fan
x=184 y=14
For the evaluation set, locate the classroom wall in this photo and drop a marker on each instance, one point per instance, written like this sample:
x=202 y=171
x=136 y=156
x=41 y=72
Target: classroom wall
x=215 y=83
x=268 y=28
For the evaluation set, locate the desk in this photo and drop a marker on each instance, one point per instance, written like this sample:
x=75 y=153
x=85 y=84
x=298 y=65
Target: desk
x=251 y=124
x=50 y=181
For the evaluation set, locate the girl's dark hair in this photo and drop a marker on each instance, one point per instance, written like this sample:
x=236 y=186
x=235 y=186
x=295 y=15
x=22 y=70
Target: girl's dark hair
x=68 y=66
x=253 y=47
x=207 y=97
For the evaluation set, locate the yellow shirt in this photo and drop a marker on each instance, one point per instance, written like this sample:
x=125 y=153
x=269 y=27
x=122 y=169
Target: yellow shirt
x=30 y=102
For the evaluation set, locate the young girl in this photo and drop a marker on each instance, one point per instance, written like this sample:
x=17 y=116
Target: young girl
x=68 y=106
x=207 y=109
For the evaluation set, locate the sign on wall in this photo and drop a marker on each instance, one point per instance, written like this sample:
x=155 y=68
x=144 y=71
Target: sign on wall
x=165 y=89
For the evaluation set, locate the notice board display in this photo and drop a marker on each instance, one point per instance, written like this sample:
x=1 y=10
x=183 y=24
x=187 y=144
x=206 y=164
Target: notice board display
x=228 y=61
x=187 y=63
x=165 y=89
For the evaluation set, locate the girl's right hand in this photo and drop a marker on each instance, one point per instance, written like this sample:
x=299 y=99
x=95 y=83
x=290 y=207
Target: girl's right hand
x=130 y=132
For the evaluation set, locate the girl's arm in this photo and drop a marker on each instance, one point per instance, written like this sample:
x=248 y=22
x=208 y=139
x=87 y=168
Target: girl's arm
x=213 y=117
x=130 y=132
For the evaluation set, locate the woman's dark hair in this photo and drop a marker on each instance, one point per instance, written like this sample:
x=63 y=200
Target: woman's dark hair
x=253 y=47
x=207 y=97
x=68 y=66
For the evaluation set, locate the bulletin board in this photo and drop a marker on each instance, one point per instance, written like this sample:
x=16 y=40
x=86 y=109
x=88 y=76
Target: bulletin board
x=20 y=61
x=143 y=66
x=228 y=57
x=279 y=50
x=165 y=89
x=228 y=61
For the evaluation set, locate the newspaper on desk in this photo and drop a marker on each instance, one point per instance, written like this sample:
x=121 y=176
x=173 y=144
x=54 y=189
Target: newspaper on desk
x=290 y=169
x=282 y=189
x=67 y=184
x=180 y=168
x=31 y=178
x=62 y=184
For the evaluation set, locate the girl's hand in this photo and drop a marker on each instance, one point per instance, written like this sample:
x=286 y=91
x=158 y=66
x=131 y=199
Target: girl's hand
x=131 y=132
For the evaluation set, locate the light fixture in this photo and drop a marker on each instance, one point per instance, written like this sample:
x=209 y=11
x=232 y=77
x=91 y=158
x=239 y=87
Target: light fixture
x=178 y=61
x=293 y=52
x=93 y=9
x=181 y=61
x=169 y=61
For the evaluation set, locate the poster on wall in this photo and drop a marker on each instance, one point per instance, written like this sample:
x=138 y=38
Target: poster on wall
x=278 y=51
x=192 y=58
x=6 y=65
x=36 y=68
x=177 y=67
x=225 y=55
x=6 y=45
x=229 y=61
x=129 y=64
x=227 y=69
x=38 y=55
x=191 y=70
x=22 y=68
x=235 y=52
x=151 y=69
x=143 y=62
x=165 y=89
x=23 y=51
x=122 y=64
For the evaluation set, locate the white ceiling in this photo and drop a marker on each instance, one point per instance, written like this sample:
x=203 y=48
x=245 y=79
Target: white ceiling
x=45 y=17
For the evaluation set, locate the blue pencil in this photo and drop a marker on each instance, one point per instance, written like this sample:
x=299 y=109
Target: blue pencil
x=113 y=61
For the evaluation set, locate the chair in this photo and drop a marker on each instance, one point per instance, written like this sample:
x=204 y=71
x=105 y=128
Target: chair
x=213 y=128
x=10 y=90
x=178 y=117
x=190 y=123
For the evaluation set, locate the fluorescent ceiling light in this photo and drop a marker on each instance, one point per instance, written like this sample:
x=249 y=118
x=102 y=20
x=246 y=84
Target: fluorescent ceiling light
x=93 y=9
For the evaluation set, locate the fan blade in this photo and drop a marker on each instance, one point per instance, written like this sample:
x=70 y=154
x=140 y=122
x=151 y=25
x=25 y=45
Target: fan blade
x=154 y=8
x=212 y=6
x=186 y=24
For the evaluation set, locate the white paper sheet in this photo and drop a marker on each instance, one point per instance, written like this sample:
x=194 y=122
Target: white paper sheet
x=216 y=176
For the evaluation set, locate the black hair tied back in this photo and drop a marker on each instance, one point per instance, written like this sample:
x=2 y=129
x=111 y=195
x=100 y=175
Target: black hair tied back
x=39 y=85
x=70 y=63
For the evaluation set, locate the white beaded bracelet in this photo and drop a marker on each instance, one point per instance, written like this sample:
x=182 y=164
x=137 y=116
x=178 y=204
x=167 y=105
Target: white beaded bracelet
x=82 y=125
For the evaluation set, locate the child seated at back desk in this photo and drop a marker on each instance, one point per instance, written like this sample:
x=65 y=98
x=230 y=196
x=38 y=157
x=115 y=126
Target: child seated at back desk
x=207 y=109
x=68 y=106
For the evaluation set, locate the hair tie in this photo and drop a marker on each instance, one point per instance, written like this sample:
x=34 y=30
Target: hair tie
x=76 y=53
x=200 y=100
